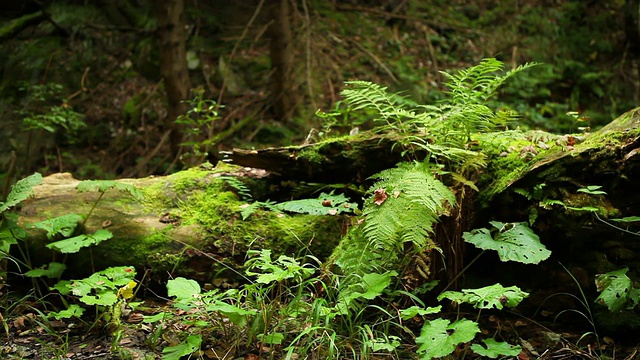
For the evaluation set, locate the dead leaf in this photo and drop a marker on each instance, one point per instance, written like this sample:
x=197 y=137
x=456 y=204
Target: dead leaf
x=379 y=196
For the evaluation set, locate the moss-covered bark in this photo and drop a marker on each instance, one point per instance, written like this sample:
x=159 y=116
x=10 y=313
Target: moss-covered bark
x=186 y=224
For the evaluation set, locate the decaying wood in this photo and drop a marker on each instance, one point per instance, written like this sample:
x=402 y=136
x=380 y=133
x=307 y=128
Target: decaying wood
x=156 y=238
x=609 y=157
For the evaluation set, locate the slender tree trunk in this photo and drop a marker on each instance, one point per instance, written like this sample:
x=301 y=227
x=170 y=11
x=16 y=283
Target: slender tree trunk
x=173 y=63
x=282 y=57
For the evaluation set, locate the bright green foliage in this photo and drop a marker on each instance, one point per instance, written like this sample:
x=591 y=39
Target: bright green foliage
x=100 y=288
x=104 y=185
x=479 y=83
x=74 y=244
x=495 y=349
x=445 y=128
x=74 y=310
x=513 y=242
x=617 y=291
x=52 y=270
x=281 y=269
x=405 y=204
x=63 y=225
x=412 y=311
x=20 y=191
x=9 y=232
x=275 y=338
x=199 y=122
x=592 y=190
x=325 y=204
x=188 y=296
x=371 y=286
x=185 y=290
x=440 y=337
x=489 y=297
x=187 y=347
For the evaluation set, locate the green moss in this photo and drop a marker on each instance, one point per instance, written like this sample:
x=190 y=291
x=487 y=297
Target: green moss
x=203 y=200
x=311 y=155
x=511 y=154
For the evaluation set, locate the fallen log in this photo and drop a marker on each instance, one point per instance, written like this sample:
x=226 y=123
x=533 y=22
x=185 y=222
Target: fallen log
x=185 y=224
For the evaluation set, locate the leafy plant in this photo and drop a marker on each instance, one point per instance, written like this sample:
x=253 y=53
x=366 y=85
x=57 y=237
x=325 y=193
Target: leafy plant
x=617 y=291
x=199 y=123
x=38 y=114
x=513 y=242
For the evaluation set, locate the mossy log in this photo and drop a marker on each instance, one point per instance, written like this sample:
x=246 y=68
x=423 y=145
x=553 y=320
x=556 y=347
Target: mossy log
x=186 y=224
x=189 y=222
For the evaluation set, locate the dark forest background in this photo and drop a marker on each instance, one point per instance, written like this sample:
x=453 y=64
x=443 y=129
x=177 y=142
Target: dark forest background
x=95 y=87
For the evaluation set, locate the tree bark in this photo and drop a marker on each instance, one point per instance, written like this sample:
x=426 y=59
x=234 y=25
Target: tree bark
x=283 y=95
x=186 y=224
x=173 y=63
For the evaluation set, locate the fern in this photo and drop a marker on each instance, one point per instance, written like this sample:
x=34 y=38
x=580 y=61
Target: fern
x=407 y=201
x=478 y=83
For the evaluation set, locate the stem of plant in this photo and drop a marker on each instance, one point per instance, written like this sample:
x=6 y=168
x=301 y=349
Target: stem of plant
x=93 y=207
x=462 y=271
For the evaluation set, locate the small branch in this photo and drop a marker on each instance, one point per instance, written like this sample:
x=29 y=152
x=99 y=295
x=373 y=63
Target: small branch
x=376 y=60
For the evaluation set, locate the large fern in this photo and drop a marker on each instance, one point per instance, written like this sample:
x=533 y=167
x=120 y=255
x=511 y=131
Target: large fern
x=406 y=202
x=452 y=121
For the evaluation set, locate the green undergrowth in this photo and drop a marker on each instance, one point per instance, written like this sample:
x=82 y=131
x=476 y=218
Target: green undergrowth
x=282 y=278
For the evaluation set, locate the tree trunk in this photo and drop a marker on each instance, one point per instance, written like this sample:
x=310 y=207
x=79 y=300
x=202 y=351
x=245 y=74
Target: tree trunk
x=284 y=96
x=173 y=63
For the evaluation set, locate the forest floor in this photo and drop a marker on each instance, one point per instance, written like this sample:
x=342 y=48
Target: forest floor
x=28 y=336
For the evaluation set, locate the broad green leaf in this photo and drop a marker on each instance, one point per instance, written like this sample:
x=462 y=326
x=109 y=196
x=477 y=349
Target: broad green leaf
x=325 y=204
x=388 y=344
x=495 y=349
x=74 y=244
x=20 y=191
x=235 y=314
x=150 y=319
x=410 y=312
x=10 y=232
x=592 y=190
x=488 y=297
x=271 y=339
x=104 y=185
x=513 y=242
x=104 y=298
x=74 y=310
x=53 y=271
x=119 y=275
x=371 y=286
x=183 y=289
x=190 y=345
x=616 y=290
x=439 y=337
x=64 y=225
x=63 y=287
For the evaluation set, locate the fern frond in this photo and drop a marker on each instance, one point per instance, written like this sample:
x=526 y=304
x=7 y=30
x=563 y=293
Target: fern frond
x=365 y=94
x=480 y=82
